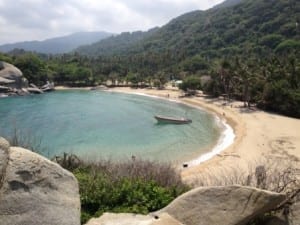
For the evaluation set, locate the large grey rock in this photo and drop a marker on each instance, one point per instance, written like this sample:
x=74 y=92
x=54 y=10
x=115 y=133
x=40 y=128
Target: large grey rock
x=133 y=219
x=295 y=213
x=36 y=191
x=4 y=148
x=12 y=76
x=231 y=205
x=6 y=81
x=287 y=216
x=35 y=90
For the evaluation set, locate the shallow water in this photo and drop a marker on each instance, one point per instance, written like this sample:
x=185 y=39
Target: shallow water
x=103 y=124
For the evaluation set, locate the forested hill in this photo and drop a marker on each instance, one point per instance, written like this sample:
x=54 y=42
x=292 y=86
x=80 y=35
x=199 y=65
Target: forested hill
x=57 y=45
x=117 y=44
x=257 y=25
x=249 y=51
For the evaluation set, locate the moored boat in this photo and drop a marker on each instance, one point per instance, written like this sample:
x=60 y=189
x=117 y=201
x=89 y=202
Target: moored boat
x=164 y=119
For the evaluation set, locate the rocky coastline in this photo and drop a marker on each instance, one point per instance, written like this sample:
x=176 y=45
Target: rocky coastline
x=13 y=82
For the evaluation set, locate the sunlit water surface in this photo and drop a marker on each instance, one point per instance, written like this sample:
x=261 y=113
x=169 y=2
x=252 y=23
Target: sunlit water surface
x=103 y=124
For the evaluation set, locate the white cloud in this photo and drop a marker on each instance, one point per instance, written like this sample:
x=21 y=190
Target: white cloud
x=22 y=20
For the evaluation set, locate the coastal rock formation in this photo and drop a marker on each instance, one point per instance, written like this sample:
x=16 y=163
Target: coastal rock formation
x=12 y=82
x=133 y=219
x=11 y=76
x=34 y=190
x=35 y=90
x=229 y=205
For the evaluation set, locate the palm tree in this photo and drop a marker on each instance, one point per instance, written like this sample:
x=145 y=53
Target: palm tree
x=245 y=78
x=225 y=73
x=293 y=72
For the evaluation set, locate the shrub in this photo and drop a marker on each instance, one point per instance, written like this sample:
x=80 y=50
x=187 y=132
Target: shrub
x=24 y=139
x=279 y=97
x=132 y=186
x=192 y=83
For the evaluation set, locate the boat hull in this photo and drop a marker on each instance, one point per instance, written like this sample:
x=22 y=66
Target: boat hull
x=162 y=119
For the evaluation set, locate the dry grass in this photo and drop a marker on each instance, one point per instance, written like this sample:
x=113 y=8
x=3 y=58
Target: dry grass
x=163 y=174
x=276 y=176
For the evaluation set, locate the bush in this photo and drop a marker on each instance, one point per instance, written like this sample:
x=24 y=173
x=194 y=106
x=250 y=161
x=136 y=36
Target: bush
x=193 y=83
x=279 y=97
x=24 y=139
x=134 y=186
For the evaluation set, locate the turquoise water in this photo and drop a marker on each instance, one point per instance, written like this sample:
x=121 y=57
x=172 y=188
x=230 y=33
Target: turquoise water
x=104 y=124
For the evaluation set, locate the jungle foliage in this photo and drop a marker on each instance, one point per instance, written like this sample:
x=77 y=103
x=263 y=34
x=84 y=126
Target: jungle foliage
x=128 y=186
x=250 y=50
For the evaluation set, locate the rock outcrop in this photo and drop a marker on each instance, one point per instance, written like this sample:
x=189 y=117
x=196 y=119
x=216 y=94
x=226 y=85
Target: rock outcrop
x=229 y=205
x=12 y=82
x=34 y=190
x=11 y=76
x=4 y=148
x=133 y=219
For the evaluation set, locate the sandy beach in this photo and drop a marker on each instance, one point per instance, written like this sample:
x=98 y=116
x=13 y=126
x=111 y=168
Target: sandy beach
x=259 y=136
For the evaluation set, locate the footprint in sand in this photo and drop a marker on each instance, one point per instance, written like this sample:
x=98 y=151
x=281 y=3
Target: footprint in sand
x=280 y=147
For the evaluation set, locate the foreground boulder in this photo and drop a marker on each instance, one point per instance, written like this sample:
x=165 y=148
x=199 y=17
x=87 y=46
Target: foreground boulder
x=229 y=205
x=4 y=148
x=34 y=190
x=133 y=219
x=294 y=217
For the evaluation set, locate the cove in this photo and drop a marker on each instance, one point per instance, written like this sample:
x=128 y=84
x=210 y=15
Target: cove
x=107 y=124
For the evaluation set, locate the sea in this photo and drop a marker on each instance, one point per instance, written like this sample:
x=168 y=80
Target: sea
x=110 y=125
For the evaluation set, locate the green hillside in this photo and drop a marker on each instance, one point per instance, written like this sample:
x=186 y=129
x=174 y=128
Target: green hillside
x=57 y=45
x=249 y=51
x=117 y=44
x=253 y=25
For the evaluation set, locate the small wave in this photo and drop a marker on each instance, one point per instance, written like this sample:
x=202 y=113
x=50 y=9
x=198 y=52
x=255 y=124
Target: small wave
x=225 y=140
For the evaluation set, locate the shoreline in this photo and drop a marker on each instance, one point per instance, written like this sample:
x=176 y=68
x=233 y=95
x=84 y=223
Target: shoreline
x=259 y=136
x=226 y=138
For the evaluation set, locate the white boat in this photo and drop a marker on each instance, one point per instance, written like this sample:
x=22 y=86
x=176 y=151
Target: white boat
x=174 y=120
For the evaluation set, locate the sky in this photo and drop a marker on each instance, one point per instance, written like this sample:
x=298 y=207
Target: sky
x=26 y=20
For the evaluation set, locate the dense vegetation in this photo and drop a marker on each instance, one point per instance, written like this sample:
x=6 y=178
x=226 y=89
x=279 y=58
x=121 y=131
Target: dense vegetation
x=217 y=32
x=133 y=186
x=250 y=51
x=116 y=44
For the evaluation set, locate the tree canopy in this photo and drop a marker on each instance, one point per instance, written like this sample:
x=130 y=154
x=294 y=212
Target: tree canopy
x=250 y=51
